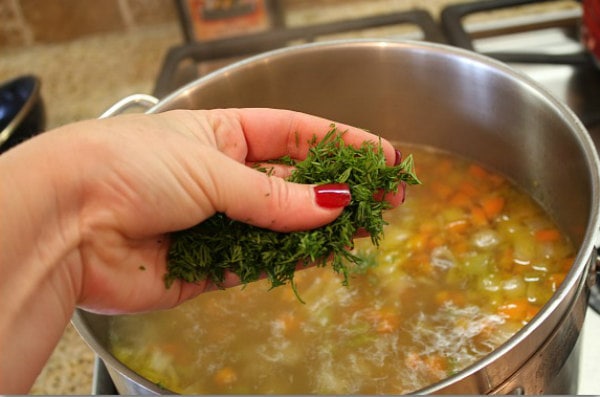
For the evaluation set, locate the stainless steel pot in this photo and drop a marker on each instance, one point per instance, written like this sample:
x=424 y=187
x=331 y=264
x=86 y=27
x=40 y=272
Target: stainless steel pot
x=460 y=101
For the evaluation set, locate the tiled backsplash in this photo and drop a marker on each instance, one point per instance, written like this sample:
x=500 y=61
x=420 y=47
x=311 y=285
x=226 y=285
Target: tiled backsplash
x=30 y=22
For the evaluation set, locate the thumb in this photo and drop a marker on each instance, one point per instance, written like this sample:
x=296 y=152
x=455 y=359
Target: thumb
x=268 y=201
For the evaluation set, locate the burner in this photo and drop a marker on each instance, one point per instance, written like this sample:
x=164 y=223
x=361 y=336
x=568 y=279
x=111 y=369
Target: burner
x=452 y=24
x=189 y=55
x=546 y=45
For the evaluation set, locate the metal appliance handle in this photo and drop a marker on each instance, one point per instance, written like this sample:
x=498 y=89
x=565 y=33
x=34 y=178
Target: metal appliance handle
x=143 y=101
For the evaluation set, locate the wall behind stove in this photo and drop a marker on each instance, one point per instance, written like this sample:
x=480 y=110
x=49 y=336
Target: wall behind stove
x=30 y=22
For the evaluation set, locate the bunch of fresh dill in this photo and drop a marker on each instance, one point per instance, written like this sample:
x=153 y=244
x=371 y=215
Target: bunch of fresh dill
x=219 y=244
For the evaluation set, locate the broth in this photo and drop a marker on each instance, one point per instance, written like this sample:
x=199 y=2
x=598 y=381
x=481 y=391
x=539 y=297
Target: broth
x=466 y=261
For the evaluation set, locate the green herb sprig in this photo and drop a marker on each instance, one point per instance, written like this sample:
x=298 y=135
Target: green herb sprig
x=219 y=244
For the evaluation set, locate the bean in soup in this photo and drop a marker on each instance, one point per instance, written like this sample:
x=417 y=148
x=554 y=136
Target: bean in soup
x=466 y=261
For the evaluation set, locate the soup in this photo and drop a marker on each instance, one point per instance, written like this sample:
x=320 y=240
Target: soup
x=466 y=261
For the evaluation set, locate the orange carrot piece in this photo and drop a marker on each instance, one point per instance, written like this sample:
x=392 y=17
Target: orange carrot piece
x=492 y=206
x=437 y=363
x=443 y=167
x=477 y=171
x=478 y=217
x=445 y=296
x=468 y=189
x=567 y=264
x=547 y=235
x=555 y=280
x=441 y=190
x=225 y=376
x=518 y=310
x=460 y=200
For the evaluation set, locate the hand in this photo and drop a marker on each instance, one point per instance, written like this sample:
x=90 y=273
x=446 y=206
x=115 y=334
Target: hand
x=88 y=208
x=151 y=175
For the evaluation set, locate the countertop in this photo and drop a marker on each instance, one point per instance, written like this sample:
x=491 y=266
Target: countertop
x=80 y=80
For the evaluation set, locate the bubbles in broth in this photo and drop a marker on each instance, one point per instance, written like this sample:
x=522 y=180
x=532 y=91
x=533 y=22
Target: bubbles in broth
x=466 y=261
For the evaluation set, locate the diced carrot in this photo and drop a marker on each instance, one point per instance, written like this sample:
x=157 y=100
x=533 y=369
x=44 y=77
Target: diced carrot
x=468 y=189
x=496 y=179
x=477 y=171
x=441 y=190
x=547 y=235
x=555 y=280
x=460 y=200
x=171 y=348
x=225 y=376
x=443 y=167
x=444 y=296
x=437 y=363
x=436 y=240
x=460 y=246
x=506 y=261
x=419 y=264
x=492 y=206
x=531 y=312
x=478 y=217
x=518 y=310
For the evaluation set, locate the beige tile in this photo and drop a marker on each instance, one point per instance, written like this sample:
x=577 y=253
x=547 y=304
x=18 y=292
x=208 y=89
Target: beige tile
x=13 y=29
x=61 y=20
x=148 y=12
x=12 y=36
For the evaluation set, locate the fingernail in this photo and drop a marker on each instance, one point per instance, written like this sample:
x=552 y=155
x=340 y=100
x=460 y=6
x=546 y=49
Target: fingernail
x=332 y=195
x=398 y=159
x=403 y=188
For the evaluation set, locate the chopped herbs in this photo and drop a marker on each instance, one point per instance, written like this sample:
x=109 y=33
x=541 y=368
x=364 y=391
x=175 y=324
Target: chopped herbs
x=219 y=244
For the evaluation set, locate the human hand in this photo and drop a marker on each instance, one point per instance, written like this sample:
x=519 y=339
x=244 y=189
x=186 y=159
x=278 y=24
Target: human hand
x=141 y=177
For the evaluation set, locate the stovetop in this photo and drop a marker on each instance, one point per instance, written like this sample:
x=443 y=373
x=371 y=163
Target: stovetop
x=545 y=45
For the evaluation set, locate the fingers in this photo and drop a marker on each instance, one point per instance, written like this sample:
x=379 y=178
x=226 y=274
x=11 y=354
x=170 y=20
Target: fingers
x=273 y=133
x=253 y=197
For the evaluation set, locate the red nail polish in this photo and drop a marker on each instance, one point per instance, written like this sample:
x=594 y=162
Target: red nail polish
x=332 y=195
x=398 y=159
x=403 y=188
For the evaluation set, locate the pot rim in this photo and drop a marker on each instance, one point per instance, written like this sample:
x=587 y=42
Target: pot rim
x=582 y=264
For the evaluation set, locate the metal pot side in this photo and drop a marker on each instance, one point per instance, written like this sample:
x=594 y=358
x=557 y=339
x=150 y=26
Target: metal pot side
x=449 y=98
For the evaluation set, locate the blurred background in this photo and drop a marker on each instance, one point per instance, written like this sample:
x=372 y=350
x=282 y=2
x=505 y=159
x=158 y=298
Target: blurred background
x=89 y=53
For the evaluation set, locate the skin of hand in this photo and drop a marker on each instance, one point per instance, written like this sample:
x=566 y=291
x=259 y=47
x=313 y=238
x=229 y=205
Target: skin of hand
x=87 y=209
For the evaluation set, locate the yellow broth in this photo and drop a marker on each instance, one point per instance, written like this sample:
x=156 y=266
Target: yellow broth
x=466 y=261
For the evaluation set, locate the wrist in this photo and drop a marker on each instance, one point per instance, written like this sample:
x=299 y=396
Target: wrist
x=38 y=256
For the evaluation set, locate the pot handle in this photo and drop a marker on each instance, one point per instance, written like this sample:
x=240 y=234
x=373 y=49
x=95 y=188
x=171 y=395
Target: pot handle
x=132 y=101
